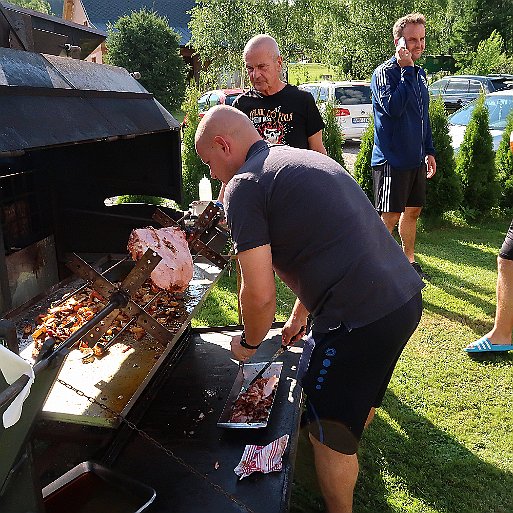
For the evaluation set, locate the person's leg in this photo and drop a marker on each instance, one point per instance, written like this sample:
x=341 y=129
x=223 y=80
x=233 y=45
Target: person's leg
x=390 y=219
x=503 y=327
x=337 y=474
x=408 y=230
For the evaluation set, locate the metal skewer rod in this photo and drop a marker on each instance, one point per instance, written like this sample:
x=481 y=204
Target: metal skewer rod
x=130 y=322
x=85 y=285
x=114 y=303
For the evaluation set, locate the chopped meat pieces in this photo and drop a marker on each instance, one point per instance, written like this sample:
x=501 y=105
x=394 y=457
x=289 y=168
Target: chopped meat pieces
x=254 y=404
x=175 y=270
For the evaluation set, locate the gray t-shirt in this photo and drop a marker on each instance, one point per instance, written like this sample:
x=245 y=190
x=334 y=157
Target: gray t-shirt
x=328 y=243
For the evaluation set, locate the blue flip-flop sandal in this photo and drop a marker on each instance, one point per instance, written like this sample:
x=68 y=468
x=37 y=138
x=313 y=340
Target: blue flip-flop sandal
x=483 y=345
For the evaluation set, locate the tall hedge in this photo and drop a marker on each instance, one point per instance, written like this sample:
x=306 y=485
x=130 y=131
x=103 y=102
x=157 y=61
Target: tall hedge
x=362 y=165
x=504 y=164
x=475 y=163
x=331 y=135
x=444 y=189
x=193 y=168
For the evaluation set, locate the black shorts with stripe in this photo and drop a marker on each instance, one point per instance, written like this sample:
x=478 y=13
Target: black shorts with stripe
x=346 y=373
x=507 y=246
x=395 y=189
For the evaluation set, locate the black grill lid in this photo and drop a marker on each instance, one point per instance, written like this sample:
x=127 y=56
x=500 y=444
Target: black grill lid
x=47 y=100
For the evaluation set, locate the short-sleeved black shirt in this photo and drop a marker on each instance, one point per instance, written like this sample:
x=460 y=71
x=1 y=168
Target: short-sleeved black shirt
x=328 y=243
x=288 y=117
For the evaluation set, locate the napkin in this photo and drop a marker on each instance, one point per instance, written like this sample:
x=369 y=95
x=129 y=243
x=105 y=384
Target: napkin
x=12 y=367
x=262 y=458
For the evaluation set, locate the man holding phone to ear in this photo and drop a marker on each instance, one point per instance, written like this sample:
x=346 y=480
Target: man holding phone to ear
x=403 y=155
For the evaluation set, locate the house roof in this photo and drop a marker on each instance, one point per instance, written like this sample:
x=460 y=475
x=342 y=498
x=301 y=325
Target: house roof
x=101 y=13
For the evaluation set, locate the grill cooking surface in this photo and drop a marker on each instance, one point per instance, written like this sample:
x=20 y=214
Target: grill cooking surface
x=117 y=378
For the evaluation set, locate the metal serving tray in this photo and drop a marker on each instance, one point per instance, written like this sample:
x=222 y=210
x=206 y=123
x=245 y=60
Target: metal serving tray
x=92 y=488
x=248 y=371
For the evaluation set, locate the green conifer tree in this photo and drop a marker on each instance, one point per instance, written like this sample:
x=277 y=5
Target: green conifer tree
x=331 y=135
x=193 y=168
x=362 y=165
x=504 y=164
x=444 y=189
x=475 y=163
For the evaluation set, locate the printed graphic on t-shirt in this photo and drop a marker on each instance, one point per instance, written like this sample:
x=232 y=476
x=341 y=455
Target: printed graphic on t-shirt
x=272 y=124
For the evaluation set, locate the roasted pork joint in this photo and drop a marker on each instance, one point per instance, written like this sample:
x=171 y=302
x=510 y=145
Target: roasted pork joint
x=175 y=270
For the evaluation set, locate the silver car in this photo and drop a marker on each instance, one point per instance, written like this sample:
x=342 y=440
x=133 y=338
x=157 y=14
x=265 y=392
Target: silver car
x=353 y=104
x=499 y=105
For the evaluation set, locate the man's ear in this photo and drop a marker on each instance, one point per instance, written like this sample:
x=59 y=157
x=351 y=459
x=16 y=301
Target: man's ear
x=222 y=143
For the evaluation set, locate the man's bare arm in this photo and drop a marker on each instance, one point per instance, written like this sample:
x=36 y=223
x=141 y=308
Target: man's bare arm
x=257 y=297
x=315 y=143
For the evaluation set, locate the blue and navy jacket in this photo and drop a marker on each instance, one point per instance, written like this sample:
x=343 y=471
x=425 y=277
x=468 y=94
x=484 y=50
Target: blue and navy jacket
x=400 y=100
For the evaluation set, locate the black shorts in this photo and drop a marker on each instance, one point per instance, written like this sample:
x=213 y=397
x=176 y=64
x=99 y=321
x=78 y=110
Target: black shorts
x=349 y=372
x=396 y=189
x=507 y=246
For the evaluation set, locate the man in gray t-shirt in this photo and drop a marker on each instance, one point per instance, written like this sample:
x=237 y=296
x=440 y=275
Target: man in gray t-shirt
x=300 y=214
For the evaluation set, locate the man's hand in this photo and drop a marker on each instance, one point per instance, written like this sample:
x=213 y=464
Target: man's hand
x=403 y=57
x=240 y=353
x=292 y=332
x=431 y=166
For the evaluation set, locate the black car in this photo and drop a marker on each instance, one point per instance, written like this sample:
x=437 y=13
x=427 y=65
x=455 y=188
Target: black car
x=458 y=90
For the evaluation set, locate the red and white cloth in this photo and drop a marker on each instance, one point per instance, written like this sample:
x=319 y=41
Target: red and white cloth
x=260 y=458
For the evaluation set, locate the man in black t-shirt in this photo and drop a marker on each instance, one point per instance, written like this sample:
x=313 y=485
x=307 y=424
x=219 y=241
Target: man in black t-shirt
x=280 y=112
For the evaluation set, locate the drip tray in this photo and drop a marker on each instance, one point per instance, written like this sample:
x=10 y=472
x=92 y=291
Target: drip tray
x=91 y=488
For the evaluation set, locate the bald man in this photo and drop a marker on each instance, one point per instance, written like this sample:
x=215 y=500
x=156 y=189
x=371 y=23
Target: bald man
x=280 y=112
x=300 y=214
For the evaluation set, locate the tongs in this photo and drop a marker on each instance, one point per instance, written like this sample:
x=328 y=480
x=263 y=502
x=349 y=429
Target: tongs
x=277 y=354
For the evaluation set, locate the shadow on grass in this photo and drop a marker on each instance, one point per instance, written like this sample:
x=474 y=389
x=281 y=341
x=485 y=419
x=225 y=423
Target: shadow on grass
x=475 y=324
x=414 y=462
x=434 y=467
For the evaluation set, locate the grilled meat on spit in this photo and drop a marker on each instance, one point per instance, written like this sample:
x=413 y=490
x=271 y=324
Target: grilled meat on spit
x=175 y=270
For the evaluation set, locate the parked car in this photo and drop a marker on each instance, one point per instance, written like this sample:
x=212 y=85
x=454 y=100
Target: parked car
x=215 y=97
x=353 y=104
x=458 y=90
x=499 y=105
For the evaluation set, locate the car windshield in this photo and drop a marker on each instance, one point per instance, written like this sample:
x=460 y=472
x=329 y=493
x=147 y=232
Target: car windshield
x=320 y=93
x=353 y=95
x=230 y=98
x=498 y=108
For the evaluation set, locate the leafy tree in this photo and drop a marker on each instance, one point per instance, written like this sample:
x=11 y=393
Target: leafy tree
x=475 y=163
x=219 y=37
x=193 y=169
x=472 y=21
x=444 y=189
x=362 y=165
x=504 y=164
x=36 y=5
x=489 y=57
x=143 y=41
x=331 y=135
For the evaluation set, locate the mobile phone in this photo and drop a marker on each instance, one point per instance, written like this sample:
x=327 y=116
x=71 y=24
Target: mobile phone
x=401 y=43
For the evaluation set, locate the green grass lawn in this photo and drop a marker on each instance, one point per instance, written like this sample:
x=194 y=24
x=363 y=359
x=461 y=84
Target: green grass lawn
x=310 y=72
x=443 y=440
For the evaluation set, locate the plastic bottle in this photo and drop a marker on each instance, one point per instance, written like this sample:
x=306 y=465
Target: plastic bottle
x=205 y=189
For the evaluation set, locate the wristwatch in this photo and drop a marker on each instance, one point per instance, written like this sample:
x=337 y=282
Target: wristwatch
x=243 y=342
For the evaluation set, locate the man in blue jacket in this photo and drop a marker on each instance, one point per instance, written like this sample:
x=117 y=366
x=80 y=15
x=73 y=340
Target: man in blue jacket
x=403 y=155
